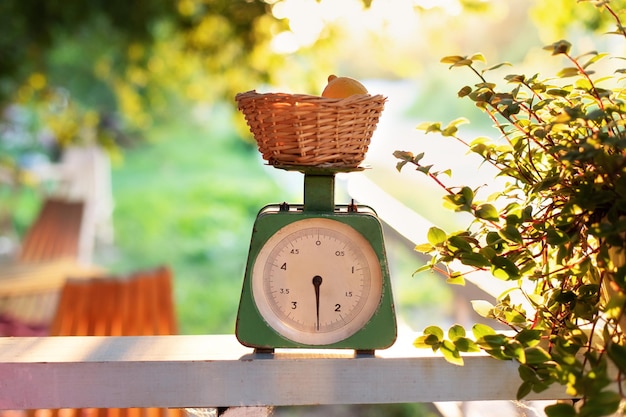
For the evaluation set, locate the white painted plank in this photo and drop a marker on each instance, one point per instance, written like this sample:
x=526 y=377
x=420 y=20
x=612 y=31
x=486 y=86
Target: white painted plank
x=248 y=412
x=216 y=371
x=231 y=412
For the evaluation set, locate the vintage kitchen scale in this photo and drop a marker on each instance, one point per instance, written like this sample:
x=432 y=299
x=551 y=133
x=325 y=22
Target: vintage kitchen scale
x=317 y=273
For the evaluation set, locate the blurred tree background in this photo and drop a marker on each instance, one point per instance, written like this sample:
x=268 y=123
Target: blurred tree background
x=153 y=82
x=106 y=70
x=115 y=66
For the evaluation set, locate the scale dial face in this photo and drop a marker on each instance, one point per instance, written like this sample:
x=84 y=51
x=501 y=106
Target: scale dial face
x=317 y=281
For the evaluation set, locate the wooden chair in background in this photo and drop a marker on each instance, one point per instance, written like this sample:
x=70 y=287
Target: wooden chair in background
x=137 y=305
x=53 y=248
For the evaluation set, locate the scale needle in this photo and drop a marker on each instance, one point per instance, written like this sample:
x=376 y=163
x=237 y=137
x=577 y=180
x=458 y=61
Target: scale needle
x=317 y=282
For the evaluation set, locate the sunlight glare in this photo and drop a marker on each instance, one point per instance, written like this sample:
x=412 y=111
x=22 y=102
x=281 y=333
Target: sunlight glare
x=335 y=9
x=451 y=7
x=305 y=24
x=307 y=19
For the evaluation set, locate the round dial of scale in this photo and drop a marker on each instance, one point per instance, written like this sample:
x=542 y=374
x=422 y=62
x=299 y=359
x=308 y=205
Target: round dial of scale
x=317 y=281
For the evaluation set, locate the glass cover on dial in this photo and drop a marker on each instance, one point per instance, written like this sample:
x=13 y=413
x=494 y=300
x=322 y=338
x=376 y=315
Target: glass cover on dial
x=317 y=281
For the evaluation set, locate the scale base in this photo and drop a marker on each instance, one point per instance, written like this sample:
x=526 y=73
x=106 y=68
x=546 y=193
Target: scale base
x=358 y=353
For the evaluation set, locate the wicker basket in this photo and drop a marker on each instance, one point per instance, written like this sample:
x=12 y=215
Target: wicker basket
x=298 y=129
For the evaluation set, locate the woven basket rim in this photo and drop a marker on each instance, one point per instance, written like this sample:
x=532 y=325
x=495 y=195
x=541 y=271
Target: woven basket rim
x=307 y=130
x=310 y=97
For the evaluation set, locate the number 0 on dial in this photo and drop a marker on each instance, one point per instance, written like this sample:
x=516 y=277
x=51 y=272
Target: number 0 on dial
x=317 y=281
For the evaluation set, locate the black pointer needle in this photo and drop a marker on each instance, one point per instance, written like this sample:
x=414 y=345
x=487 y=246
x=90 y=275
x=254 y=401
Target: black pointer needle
x=317 y=281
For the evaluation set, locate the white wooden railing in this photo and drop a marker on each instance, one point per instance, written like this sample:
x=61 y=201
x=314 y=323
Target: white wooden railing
x=216 y=371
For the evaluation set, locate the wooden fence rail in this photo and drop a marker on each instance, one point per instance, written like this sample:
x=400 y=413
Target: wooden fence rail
x=216 y=371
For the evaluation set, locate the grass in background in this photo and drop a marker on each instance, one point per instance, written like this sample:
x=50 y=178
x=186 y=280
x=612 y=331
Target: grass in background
x=188 y=199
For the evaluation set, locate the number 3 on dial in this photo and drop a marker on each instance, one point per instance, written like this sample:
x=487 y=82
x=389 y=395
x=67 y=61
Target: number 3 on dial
x=317 y=281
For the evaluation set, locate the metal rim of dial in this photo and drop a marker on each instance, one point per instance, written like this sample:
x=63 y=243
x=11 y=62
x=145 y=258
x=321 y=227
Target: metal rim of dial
x=317 y=281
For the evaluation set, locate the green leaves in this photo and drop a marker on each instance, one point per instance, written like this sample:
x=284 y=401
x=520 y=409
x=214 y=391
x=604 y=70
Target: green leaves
x=556 y=226
x=536 y=356
x=450 y=347
x=560 y=47
x=604 y=403
x=461 y=61
x=483 y=308
x=560 y=410
x=617 y=353
x=568 y=72
x=406 y=157
x=461 y=200
x=504 y=268
x=435 y=127
x=436 y=236
x=500 y=346
x=487 y=212
x=432 y=337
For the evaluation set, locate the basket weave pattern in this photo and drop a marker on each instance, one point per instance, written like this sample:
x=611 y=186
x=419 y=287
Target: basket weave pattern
x=299 y=129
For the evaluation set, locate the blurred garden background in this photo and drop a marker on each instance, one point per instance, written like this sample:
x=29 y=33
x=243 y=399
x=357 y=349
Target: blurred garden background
x=151 y=83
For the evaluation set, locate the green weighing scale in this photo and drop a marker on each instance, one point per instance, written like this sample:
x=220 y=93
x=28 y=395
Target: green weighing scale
x=317 y=274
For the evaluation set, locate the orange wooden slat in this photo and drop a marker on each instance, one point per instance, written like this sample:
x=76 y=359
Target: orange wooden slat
x=150 y=316
x=111 y=307
x=62 y=323
x=55 y=233
x=96 y=313
x=80 y=324
x=151 y=412
x=136 y=320
x=128 y=307
x=67 y=412
x=165 y=303
x=133 y=412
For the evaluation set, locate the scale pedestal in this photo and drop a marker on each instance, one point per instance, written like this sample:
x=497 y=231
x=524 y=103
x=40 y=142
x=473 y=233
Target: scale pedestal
x=317 y=274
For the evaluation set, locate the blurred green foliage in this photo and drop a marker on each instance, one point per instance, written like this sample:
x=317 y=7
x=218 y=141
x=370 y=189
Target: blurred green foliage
x=189 y=200
x=572 y=17
x=124 y=35
x=104 y=71
x=101 y=71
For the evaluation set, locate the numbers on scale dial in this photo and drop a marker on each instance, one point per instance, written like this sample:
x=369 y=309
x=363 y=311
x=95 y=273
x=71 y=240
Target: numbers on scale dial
x=318 y=280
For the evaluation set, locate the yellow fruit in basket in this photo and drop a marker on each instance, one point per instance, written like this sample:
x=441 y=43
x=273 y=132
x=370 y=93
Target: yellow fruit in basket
x=342 y=87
